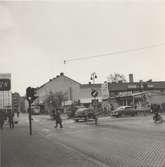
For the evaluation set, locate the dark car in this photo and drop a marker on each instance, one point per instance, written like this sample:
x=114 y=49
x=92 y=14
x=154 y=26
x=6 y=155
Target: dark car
x=124 y=110
x=84 y=114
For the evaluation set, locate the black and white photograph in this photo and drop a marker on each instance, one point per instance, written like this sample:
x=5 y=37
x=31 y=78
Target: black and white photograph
x=82 y=83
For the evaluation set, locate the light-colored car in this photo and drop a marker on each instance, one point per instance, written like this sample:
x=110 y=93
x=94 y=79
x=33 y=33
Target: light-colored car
x=124 y=110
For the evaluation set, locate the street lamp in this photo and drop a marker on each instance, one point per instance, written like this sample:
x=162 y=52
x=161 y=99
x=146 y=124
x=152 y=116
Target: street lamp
x=93 y=77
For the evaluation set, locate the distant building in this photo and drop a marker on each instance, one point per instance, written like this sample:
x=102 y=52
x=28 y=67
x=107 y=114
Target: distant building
x=22 y=104
x=15 y=102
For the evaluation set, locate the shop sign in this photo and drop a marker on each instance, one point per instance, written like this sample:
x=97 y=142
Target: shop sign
x=5 y=84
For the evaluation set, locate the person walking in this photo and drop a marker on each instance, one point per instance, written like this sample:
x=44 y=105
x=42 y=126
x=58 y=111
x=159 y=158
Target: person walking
x=58 y=118
x=10 y=119
x=2 y=119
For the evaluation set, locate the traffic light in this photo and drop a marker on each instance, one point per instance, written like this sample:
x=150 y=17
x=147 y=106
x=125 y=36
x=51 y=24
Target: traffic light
x=31 y=94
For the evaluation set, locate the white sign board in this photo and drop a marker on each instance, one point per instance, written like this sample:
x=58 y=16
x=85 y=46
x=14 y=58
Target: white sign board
x=105 y=90
x=5 y=90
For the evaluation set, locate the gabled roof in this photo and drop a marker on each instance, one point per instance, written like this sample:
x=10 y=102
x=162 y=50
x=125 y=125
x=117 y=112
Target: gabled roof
x=57 y=77
x=72 y=79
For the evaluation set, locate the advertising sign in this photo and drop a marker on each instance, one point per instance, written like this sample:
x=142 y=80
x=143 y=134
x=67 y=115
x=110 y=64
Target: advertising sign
x=5 y=84
x=105 y=90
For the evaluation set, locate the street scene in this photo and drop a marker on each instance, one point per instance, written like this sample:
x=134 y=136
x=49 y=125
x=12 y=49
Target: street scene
x=82 y=83
x=122 y=142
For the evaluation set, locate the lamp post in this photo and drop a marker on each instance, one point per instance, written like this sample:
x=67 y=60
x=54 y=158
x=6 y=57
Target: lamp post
x=94 y=94
x=93 y=77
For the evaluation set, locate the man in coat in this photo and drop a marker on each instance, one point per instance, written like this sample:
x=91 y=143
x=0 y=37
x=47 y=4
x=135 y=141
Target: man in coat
x=58 y=118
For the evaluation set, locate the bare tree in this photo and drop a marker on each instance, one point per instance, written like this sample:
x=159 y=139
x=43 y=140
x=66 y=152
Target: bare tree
x=116 y=77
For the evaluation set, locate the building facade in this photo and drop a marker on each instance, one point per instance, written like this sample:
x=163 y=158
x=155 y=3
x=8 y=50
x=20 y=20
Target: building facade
x=60 y=83
x=138 y=93
x=16 y=102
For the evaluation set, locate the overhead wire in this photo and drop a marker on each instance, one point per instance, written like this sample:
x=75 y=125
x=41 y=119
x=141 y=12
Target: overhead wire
x=114 y=53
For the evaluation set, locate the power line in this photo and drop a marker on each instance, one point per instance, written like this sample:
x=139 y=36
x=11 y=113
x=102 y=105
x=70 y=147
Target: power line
x=114 y=53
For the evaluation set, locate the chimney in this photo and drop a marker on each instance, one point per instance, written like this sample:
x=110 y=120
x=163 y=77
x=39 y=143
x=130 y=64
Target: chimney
x=131 y=80
x=61 y=73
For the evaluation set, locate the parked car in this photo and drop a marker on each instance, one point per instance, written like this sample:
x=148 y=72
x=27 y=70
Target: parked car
x=84 y=114
x=124 y=110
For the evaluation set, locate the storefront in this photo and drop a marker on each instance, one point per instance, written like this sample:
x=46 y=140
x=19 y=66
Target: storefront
x=137 y=100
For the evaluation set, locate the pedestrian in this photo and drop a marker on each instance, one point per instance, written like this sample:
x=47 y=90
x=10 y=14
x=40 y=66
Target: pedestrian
x=58 y=118
x=2 y=119
x=10 y=119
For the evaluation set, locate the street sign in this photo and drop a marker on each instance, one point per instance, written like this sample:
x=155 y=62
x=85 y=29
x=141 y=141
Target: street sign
x=94 y=93
x=5 y=84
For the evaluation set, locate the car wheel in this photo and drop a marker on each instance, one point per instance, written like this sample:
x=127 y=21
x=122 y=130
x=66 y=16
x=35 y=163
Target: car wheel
x=77 y=120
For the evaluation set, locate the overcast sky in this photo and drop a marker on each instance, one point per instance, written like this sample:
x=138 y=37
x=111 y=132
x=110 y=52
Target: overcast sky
x=36 y=37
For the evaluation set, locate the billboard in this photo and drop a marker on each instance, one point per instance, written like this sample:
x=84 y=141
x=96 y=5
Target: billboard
x=5 y=84
x=5 y=91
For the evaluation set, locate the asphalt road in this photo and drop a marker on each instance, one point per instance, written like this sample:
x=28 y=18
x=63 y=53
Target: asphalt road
x=129 y=142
